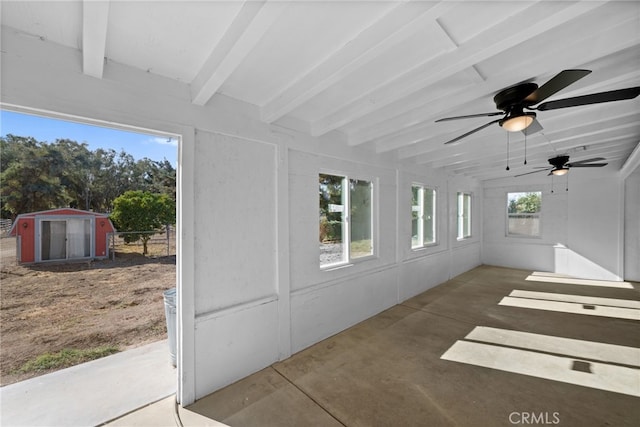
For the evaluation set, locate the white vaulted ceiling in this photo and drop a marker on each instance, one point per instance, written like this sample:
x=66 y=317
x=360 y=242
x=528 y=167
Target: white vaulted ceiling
x=379 y=72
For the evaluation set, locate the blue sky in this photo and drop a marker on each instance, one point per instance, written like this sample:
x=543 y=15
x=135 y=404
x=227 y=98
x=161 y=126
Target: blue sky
x=139 y=145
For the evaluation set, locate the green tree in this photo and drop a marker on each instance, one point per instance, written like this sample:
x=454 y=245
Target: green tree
x=76 y=175
x=527 y=203
x=31 y=180
x=140 y=211
x=159 y=177
x=103 y=190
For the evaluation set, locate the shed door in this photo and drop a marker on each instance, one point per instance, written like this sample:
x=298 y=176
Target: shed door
x=66 y=239
x=54 y=240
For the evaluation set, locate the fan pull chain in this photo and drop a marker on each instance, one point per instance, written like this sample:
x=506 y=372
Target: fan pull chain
x=507 y=150
x=525 y=146
x=552 y=183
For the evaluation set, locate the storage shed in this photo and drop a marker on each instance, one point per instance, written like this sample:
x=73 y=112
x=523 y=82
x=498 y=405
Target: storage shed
x=61 y=234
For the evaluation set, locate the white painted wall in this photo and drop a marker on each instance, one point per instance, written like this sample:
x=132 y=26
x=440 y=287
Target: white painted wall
x=465 y=253
x=581 y=226
x=235 y=270
x=595 y=225
x=235 y=221
x=449 y=257
x=325 y=301
x=534 y=253
x=632 y=226
x=435 y=259
x=250 y=288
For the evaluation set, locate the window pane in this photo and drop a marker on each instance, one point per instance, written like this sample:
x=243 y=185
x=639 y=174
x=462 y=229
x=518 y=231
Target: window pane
x=416 y=223
x=429 y=216
x=464 y=215
x=361 y=218
x=459 y=217
x=331 y=202
x=467 y=215
x=523 y=213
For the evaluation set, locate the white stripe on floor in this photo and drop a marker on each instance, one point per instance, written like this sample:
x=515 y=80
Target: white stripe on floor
x=575 y=308
x=613 y=378
x=562 y=346
x=581 y=299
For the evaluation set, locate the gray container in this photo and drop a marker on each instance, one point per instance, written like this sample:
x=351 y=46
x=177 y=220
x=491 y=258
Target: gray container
x=170 y=314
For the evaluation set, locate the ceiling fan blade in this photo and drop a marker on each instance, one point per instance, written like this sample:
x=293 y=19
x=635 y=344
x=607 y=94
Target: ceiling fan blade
x=594 y=98
x=534 y=127
x=470 y=116
x=529 y=173
x=594 y=159
x=586 y=165
x=472 y=131
x=556 y=84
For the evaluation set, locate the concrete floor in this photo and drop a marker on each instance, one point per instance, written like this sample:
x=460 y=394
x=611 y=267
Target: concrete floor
x=470 y=352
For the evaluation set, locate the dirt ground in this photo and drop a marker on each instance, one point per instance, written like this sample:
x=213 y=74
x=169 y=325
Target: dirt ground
x=51 y=307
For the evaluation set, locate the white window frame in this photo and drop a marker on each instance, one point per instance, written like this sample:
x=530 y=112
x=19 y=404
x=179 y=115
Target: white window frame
x=421 y=193
x=537 y=215
x=463 y=220
x=346 y=220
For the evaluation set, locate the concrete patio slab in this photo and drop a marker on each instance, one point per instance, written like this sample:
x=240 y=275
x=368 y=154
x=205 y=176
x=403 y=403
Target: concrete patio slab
x=92 y=393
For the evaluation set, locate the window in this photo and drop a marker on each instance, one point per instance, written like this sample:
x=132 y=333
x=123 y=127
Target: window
x=423 y=216
x=523 y=214
x=346 y=219
x=464 y=215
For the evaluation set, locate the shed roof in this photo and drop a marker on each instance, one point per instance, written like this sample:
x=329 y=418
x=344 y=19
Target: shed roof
x=58 y=212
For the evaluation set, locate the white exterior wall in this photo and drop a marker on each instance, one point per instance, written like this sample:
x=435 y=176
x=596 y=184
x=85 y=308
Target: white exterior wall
x=250 y=288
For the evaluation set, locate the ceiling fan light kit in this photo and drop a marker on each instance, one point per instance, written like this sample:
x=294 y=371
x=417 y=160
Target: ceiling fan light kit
x=560 y=171
x=517 y=123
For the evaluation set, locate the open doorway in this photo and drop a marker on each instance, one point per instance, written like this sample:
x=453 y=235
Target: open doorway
x=81 y=296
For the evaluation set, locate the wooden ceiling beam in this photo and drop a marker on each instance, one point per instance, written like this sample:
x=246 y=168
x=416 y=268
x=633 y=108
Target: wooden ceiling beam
x=248 y=27
x=95 y=20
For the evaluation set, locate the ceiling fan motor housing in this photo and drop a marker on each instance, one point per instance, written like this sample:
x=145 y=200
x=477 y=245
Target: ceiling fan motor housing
x=559 y=162
x=514 y=96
